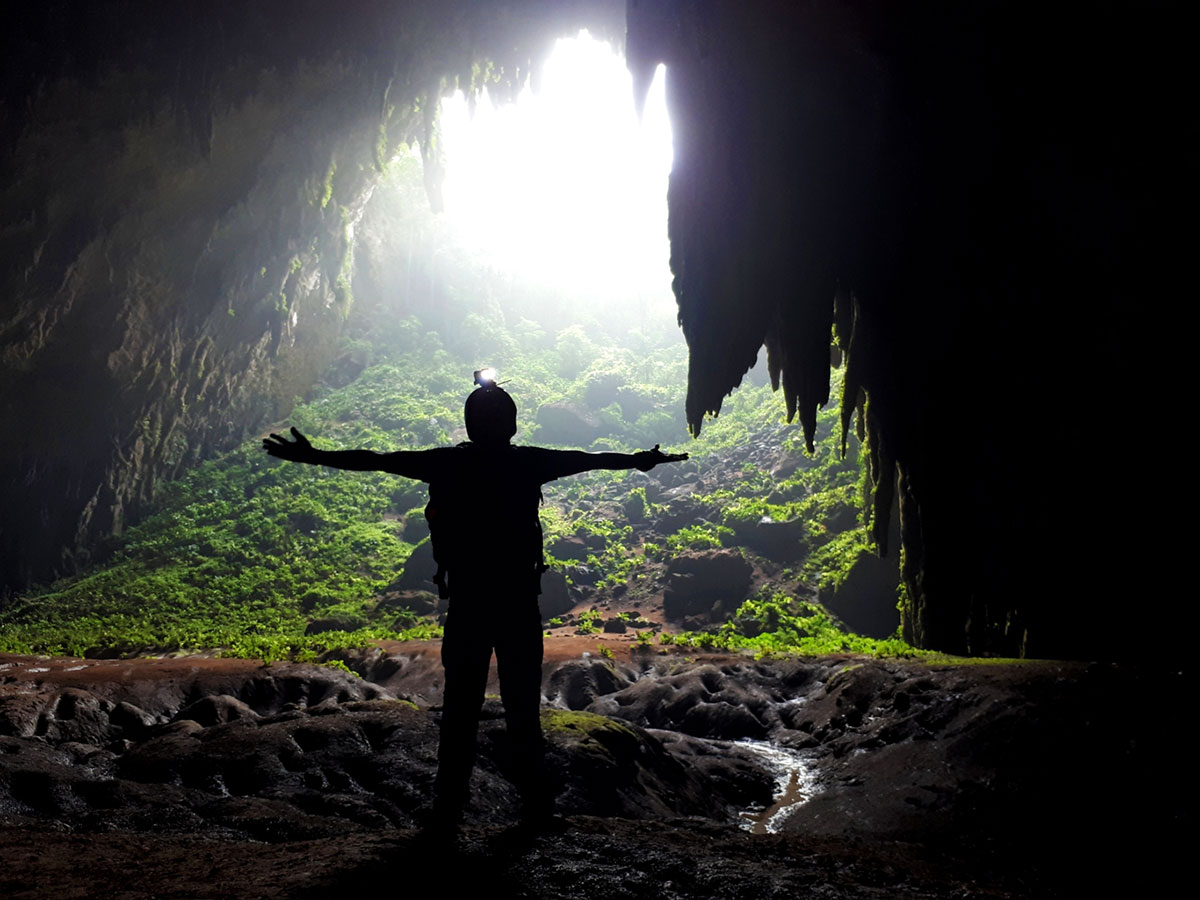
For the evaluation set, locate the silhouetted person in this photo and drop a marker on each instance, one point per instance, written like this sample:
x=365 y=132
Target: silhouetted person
x=483 y=515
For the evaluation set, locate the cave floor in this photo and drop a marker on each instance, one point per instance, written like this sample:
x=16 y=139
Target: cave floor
x=1038 y=779
x=590 y=858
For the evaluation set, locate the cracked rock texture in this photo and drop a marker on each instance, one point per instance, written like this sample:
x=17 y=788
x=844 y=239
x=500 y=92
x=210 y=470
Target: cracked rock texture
x=932 y=781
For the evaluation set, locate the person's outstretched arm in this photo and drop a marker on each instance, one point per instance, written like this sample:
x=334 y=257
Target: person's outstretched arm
x=409 y=463
x=572 y=462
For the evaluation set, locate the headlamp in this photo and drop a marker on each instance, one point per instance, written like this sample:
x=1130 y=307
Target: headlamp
x=485 y=377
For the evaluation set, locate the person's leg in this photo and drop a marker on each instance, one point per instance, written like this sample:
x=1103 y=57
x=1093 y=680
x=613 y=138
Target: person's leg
x=466 y=655
x=519 y=665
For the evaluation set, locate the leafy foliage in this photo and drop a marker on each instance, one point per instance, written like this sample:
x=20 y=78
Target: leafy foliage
x=776 y=622
x=245 y=553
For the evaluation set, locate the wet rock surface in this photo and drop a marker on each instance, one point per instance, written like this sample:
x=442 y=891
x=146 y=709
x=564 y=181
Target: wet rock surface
x=296 y=752
x=930 y=781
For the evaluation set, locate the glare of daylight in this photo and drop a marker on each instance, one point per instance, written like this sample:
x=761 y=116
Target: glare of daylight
x=566 y=185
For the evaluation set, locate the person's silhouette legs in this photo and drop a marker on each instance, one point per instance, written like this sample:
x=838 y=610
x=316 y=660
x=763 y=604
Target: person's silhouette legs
x=511 y=626
x=466 y=655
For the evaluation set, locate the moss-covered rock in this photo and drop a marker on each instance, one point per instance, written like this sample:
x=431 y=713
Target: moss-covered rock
x=614 y=768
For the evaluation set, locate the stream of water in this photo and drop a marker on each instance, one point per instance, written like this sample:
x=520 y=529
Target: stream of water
x=795 y=784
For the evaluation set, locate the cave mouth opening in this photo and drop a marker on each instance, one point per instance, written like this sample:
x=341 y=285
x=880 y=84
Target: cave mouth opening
x=565 y=187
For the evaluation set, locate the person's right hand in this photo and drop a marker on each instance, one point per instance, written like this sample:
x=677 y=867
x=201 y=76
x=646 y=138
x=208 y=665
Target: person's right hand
x=299 y=450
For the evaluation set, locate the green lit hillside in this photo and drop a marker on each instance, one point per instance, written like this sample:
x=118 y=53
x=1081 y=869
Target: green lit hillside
x=246 y=553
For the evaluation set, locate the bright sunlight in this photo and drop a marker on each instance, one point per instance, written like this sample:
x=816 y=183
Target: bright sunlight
x=565 y=185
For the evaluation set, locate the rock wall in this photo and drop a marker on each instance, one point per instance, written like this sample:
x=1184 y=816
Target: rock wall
x=181 y=184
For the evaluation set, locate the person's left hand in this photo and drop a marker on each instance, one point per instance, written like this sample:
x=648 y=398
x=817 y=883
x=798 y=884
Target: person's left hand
x=299 y=450
x=648 y=459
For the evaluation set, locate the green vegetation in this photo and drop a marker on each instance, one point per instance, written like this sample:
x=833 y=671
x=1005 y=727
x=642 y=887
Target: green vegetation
x=696 y=537
x=247 y=555
x=776 y=622
x=588 y=725
x=830 y=563
x=588 y=622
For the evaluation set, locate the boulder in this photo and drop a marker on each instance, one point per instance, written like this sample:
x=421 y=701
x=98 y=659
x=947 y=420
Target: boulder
x=611 y=768
x=725 y=566
x=584 y=575
x=685 y=598
x=348 y=366
x=422 y=603
x=866 y=598
x=710 y=583
x=577 y=684
x=339 y=622
x=419 y=570
x=635 y=508
x=842 y=517
x=76 y=715
x=555 y=599
x=313 y=599
x=633 y=403
x=722 y=720
x=786 y=467
x=681 y=491
x=416 y=527
x=594 y=541
x=680 y=508
x=782 y=542
x=569 y=547
x=602 y=389
x=216 y=709
x=130 y=718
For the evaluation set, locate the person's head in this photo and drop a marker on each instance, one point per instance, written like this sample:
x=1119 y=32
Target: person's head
x=491 y=415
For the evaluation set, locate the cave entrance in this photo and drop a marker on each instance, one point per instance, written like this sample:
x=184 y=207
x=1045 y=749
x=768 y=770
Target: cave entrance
x=550 y=261
x=565 y=185
x=554 y=214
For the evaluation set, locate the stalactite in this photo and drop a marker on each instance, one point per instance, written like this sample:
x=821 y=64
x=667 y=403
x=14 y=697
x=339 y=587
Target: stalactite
x=940 y=182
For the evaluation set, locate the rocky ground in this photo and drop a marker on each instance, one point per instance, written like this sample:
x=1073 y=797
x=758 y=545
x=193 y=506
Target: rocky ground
x=702 y=776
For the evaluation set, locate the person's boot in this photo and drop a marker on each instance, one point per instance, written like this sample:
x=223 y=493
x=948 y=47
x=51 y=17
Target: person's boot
x=440 y=821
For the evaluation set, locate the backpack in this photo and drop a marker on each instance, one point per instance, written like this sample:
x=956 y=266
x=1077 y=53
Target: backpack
x=452 y=538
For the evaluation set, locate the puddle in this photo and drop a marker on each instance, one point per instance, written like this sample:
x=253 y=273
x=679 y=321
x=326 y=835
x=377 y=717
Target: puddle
x=795 y=785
